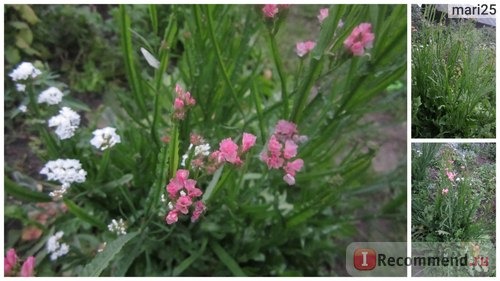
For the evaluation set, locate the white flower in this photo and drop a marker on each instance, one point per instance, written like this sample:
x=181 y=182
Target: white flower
x=203 y=149
x=59 y=193
x=20 y=87
x=24 y=71
x=66 y=123
x=105 y=138
x=22 y=108
x=66 y=171
x=55 y=248
x=50 y=96
x=118 y=227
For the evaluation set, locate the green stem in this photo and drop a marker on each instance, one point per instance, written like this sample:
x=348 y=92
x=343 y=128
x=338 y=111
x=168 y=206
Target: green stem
x=33 y=103
x=174 y=151
x=221 y=63
x=279 y=67
x=134 y=80
x=305 y=89
x=103 y=166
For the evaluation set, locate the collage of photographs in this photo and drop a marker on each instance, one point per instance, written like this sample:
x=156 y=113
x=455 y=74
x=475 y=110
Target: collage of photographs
x=249 y=140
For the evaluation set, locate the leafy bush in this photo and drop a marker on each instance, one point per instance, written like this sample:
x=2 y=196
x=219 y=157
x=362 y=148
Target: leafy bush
x=453 y=82
x=249 y=219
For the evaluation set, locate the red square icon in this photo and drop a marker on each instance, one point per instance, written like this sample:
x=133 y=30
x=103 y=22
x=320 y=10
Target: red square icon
x=365 y=259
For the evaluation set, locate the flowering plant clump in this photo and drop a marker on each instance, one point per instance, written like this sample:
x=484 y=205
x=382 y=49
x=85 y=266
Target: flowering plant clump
x=452 y=200
x=201 y=140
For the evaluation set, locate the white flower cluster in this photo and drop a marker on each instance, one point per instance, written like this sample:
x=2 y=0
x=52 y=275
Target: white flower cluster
x=50 y=96
x=105 y=138
x=202 y=149
x=66 y=171
x=24 y=71
x=66 y=123
x=119 y=227
x=55 y=248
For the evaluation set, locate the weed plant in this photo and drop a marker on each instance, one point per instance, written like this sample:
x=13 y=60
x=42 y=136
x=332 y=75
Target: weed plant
x=247 y=219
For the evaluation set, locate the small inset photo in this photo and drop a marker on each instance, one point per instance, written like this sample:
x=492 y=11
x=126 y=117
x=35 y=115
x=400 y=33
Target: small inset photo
x=453 y=71
x=453 y=209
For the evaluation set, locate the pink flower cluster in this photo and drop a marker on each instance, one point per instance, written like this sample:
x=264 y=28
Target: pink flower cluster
x=282 y=148
x=444 y=191
x=183 y=195
x=11 y=261
x=303 y=48
x=230 y=152
x=270 y=10
x=182 y=100
x=361 y=38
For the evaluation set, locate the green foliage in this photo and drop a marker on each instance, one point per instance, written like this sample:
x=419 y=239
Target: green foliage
x=454 y=204
x=453 y=82
x=255 y=223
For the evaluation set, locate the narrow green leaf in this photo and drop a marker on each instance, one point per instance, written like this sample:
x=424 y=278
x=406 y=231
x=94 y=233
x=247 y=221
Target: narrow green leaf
x=101 y=261
x=212 y=184
x=83 y=215
x=23 y=193
x=119 y=182
x=227 y=260
x=185 y=264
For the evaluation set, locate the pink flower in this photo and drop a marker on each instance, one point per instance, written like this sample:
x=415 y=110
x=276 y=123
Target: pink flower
x=290 y=149
x=182 y=175
x=196 y=139
x=294 y=166
x=193 y=192
x=270 y=10
x=28 y=267
x=323 y=14
x=303 y=48
x=199 y=208
x=289 y=179
x=247 y=142
x=285 y=137
x=274 y=146
x=444 y=191
x=360 y=39
x=173 y=188
x=9 y=262
x=183 y=204
x=178 y=103
x=451 y=176
x=285 y=128
x=229 y=151
x=274 y=162
x=172 y=217
x=181 y=102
